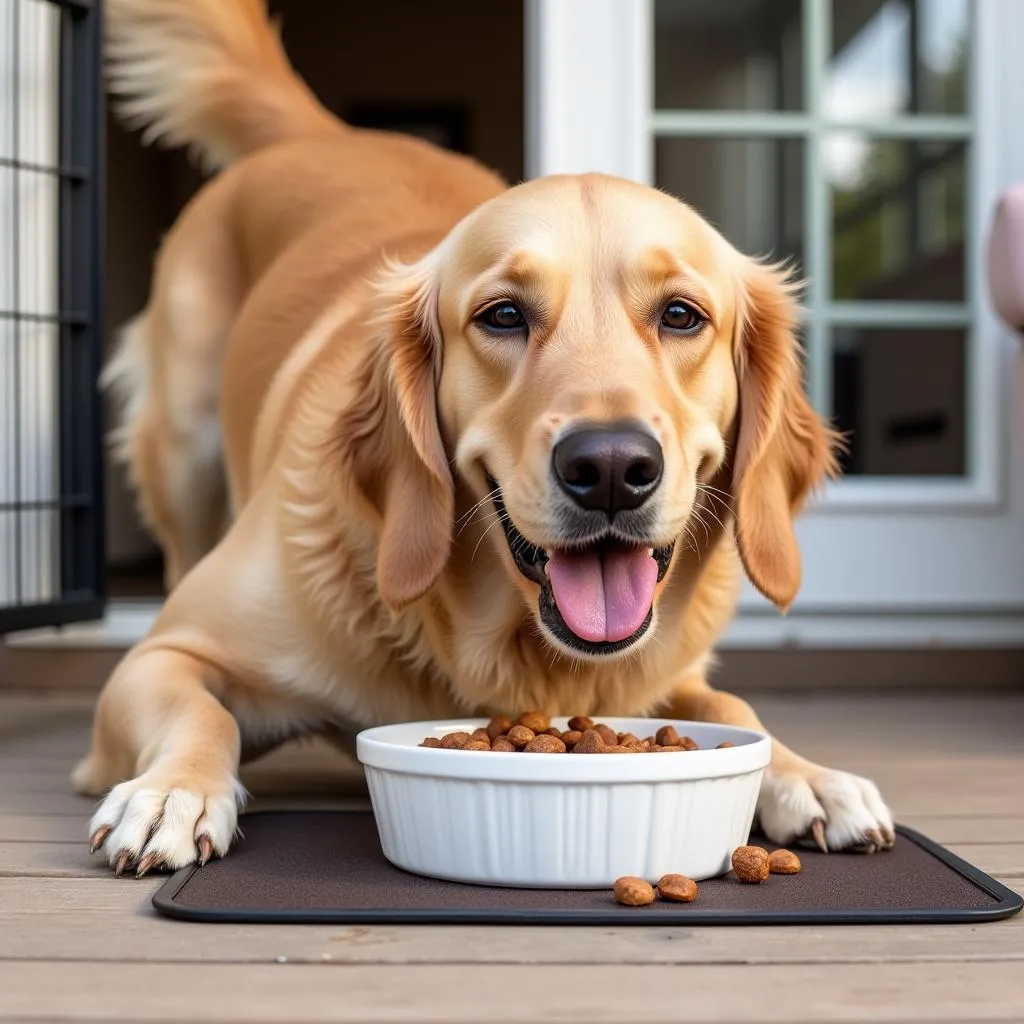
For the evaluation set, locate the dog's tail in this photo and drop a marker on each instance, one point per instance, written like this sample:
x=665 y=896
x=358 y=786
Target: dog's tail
x=208 y=74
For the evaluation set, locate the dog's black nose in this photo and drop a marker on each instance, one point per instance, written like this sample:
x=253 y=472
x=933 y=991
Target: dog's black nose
x=610 y=469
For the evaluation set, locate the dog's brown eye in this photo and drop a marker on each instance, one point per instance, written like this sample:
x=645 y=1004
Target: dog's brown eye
x=680 y=316
x=503 y=316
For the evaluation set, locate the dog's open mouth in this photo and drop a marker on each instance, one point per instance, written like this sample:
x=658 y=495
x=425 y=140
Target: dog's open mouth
x=597 y=598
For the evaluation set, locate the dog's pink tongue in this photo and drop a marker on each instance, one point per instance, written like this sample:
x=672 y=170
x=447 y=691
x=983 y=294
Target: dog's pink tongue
x=603 y=596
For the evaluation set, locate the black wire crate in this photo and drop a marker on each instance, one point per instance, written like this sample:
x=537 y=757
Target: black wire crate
x=51 y=333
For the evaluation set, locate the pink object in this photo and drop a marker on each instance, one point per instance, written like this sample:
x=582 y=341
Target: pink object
x=1006 y=257
x=603 y=595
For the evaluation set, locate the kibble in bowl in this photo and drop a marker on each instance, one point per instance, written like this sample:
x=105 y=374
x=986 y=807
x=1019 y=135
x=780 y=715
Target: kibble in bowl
x=523 y=811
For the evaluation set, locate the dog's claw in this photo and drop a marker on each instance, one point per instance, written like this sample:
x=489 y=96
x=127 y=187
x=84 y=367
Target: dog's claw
x=818 y=832
x=122 y=862
x=98 y=837
x=205 y=849
x=145 y=864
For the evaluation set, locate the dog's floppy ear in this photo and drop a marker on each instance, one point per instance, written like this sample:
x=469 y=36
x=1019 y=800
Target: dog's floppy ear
x=403 y=467
x=784 y=449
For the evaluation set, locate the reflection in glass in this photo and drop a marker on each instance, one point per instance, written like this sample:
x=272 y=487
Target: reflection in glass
x=898 y=218
x=750 y=189
x=899 y=396
x=897 y=57
x=727 y=54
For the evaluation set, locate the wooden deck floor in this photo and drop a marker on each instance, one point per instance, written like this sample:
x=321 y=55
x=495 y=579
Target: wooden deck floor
x=78 y=944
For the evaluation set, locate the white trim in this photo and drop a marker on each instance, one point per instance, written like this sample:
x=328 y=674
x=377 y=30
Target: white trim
x=588 y=87
x=868 y=632
x=857 y=313
x=996 y=82
x=127 y=622
x=881 y=495
x=817 y=208
x=785 y=124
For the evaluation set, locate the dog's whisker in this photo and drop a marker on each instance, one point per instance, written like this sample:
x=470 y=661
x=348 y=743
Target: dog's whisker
x=476 y=508
x=500 y=519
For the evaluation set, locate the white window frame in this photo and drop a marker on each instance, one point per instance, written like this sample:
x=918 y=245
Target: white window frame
x=590 y=108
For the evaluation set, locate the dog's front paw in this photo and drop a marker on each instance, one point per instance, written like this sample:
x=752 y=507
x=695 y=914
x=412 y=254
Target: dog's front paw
x=166 y=819
x=839 y=811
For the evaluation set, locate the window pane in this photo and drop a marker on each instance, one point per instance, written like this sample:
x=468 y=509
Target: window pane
x=899 y=396
x=729 y=54
x=752 y=190
x=898 y=218
x=896 y=57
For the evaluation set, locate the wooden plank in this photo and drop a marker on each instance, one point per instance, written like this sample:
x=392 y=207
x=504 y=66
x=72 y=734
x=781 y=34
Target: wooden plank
x=964 y=828
x=42 y=828
x=1002 y=859
x=71 y=828
x=66 y=803
x=651 y=993
x=61 y=919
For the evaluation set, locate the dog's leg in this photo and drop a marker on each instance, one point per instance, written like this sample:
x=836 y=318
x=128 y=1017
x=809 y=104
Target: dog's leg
x=160 y=728
x=798 y=798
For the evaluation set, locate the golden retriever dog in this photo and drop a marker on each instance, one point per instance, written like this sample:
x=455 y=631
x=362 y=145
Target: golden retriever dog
x=419 y=445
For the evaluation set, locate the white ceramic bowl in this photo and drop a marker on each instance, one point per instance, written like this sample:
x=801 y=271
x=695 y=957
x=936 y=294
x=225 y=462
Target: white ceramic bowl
x=565 y=821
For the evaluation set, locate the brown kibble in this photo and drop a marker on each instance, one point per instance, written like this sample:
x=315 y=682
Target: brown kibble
x=520 y=735
x=750 y=864
x=633 y=892
x=581 y=723
x=724 y=744
x=589 y=743
x=498 y=726
x=593 y=738
x=667 y=736
x=537 y=721
x=783 y=862
x=544 y=744
x=677 y=888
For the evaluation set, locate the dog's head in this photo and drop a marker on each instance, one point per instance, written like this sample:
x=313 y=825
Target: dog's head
x=587 y=355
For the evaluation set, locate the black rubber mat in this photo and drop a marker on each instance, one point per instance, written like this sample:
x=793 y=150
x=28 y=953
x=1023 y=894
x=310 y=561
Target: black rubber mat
x=327 y=866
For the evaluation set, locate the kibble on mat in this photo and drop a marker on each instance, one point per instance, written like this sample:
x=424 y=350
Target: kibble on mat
x=677 y=888
x=750 y=864
x=633 y=892
x=783 y=862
